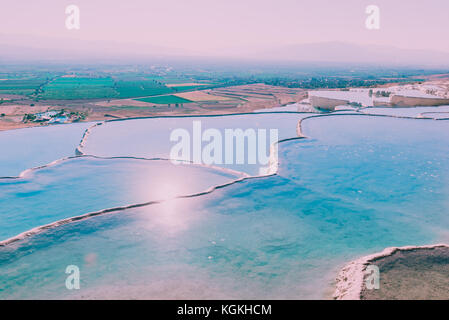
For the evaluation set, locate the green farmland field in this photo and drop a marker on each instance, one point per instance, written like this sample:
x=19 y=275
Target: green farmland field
x=169 y=80
x=130 y=89
x=170 y=99
x=78 y=88
x=101 y=88
x=21 y=87
x=55 y=87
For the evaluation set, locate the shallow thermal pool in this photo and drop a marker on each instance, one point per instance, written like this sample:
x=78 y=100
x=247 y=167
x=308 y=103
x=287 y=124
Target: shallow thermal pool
x=85 y=184
x=358 y=184
x=150 y=137
x=32 y=147
x=405 y=112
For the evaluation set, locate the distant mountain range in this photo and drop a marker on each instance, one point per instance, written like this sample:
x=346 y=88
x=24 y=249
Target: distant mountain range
x=24 y=48
x=353 y=53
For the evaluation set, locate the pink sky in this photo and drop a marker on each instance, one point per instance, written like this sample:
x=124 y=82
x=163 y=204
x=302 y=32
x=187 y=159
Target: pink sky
x=211 y=26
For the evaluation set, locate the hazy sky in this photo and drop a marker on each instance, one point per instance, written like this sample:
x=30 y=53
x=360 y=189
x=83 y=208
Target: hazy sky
x=209 y=26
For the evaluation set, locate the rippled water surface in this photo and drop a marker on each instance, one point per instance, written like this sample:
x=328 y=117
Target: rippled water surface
x=358 y=184
x=151 y=137
x=406 y=112
x=81 y=185
x=27 y=148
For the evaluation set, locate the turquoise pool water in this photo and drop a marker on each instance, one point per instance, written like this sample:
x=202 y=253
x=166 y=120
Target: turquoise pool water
x=444 y=115
x=151 y=137
x=82 y=185
x=28 y=148
x=406 y=112
x=358 y=184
